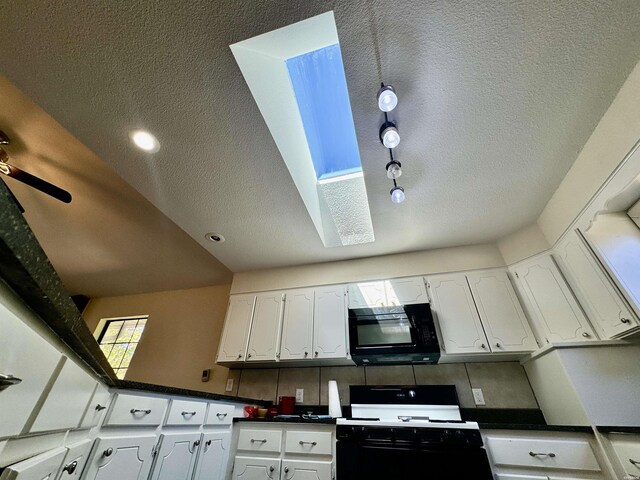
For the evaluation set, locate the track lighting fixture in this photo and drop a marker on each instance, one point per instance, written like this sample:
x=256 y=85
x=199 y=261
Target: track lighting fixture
x=390 y=138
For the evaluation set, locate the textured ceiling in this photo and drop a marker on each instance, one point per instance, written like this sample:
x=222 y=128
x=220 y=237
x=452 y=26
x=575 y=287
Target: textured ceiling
x=496 y=100
x=109 y=240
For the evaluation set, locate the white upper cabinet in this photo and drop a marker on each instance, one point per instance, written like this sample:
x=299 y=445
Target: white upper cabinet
x=297 y=329
x=176 y=458
x=505 y=323
x=67 y=400
x=453 y=305
x=599 y=297
x=26 y=356
x=399 y=291
x=237 y=325
x=406 y=291
x=550 y=302
x=330 y=322
x=367 y=294
x=265 y=327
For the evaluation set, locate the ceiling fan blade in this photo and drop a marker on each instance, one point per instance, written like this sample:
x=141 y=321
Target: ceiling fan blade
x=35 y=182
x=20 y=207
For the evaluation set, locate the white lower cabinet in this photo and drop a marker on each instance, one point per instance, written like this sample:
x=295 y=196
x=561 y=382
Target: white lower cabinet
x=550 y=303
x=120 y=458
x=176 y=457
x=255 y=468
x=305 y=470
x=213 y=456
x=67 y=400
x=97 y=406
x=26 y=357
x=626 y=449
x=75 y=460
x=41 y=467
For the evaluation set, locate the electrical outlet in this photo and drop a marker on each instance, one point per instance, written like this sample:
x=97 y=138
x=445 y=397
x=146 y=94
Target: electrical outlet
x=229 y=385
x=299 y=395
x=478 y=397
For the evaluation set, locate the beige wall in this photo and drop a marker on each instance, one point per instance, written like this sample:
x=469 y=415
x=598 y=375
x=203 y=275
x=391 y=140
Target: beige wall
x=522 y=244
x=372 y=268
x=613 y=138
x=181 y=337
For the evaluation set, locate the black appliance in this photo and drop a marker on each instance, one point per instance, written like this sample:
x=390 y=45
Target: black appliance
x=393 y=335
x=408 y=432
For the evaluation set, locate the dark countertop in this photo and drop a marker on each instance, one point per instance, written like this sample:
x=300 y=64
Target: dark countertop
x=25 y=268
x=149 y=387
x=516 y=419
x=324 y=421
x=534 y=427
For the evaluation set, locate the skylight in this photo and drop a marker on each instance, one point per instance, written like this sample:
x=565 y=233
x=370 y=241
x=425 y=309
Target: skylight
x=297 y=79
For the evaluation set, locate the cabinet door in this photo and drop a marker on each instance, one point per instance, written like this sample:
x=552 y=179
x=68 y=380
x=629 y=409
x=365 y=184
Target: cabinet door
x=406 y=291
x=120 y=458
x=505 y=323
x=627 y=449
x=237 y=324
x=297 y=330
x=176 y=457
x=330 y=322
x=97 y=406
x=265 y=327
x=253 y=468
x=605 y=307
x=302 y=470
x=213 y=456
x=26 y=356
x=40 y=467
x=550 y=301
x=367 y=294
x=75 y=460
x=67 y=400
x=457 y=316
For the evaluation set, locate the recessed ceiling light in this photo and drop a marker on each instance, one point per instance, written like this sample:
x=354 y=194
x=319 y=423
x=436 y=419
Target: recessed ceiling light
x=145 y=141
x=214 y=237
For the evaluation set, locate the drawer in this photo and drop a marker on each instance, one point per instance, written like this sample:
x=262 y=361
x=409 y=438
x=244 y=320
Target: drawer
x=310 y=443
x=184 y=412
x=260 y=440
x=532 y=476
x=627 y=449
x=573 y=454
x=136 y=410
x=220 y=414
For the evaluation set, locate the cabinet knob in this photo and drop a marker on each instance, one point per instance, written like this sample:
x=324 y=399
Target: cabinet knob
x=306 y=354
x=585 y=335
x=108 y=452
x=286 y=469
x=196 y=443
x=249 y=355
x=483 y=346
x=70 y=467
x=239 y=355
x=625 y=320
x=316 y=354
x=498 y=345
x=272 y=468
x=208 y=443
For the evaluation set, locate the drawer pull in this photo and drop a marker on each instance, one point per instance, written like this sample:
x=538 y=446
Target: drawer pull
x=631 y=476
x=313 y=444
x=208 y=443
x=625 y=320
x=191 y=414
x=137 y=410
x=536 y=454
x=253 y=440
x=108 y=452
x=221 y=415
x=71 y=467
x=635 y=463
x=7 y=380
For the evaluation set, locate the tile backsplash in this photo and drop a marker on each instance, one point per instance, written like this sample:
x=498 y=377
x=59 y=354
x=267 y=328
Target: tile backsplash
x=504 y=384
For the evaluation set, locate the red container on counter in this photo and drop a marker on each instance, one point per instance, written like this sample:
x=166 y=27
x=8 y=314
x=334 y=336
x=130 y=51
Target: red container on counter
x=287 y=405
x=272 y=412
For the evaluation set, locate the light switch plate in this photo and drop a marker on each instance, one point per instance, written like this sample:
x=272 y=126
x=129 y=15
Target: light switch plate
x=229 y=385
x=299 y=395
x=478 y=397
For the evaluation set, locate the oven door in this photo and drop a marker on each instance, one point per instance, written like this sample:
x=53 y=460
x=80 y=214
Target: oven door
x=371 y=461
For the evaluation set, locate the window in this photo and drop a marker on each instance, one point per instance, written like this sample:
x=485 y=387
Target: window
x=119 y=339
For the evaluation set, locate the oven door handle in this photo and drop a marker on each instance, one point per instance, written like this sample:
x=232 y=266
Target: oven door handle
x=408 y=418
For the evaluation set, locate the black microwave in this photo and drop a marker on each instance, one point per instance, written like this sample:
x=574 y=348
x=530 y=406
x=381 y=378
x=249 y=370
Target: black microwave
x=397 y=335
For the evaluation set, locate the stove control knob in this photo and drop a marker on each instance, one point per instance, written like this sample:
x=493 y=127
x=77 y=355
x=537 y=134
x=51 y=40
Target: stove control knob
x=412 y=393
